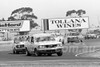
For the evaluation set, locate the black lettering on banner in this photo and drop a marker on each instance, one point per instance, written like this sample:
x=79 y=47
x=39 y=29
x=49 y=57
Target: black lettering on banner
x=83 y=20
x=78 y=25
x=59 y=21
x=10 y=24
x=59 y=25
x=53 y=22
x=56 y=21
x=76 y=20
x=72 y=21
x=64 y=23
x=73 y=25
x=68 y=25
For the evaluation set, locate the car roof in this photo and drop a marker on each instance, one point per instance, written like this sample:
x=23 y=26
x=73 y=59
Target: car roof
x=42 y=35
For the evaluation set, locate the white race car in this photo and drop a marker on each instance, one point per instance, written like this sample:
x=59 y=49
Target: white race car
x=43 y=44
x=19 y=47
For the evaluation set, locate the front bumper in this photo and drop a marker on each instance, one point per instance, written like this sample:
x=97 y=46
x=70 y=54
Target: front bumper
x=20 y=49
x=50 y=50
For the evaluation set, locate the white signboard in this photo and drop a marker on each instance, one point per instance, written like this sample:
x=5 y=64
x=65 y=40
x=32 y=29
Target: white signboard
x=66 y=23
x=14 y=26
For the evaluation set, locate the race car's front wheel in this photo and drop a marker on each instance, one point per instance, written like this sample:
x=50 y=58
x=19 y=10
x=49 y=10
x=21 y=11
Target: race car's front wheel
x=60 y=53
x=49 y=54
x=15 y=52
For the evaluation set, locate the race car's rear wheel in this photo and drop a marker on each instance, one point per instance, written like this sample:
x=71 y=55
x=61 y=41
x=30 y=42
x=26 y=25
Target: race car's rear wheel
x=36 y=53
x=27 y=53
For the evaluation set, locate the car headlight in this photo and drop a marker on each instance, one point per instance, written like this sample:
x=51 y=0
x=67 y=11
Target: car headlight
x=17 y=46
x=59 y=44
x=20 y=46
x=41 y=46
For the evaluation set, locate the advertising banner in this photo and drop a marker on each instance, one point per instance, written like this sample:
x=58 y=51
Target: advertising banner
x=66 y=23
x=14 y=26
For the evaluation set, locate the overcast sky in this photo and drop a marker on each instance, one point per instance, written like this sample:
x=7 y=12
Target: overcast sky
x=52 y=8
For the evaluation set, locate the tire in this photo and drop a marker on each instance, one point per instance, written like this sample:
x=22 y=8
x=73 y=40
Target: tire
x=17 y=52
x=36 y=53
x=14 y=52
x=49 y=54
x=27 y=53
x=60 y=53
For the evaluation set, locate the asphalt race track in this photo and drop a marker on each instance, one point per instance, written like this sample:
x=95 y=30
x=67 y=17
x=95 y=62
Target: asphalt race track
x=8 y=56
x=8 y=59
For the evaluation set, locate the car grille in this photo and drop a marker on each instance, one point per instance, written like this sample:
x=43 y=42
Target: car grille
x=20 y=46
x=51 y=46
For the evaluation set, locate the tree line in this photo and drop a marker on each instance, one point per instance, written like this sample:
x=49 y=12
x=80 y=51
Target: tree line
x=26 y=13
x=74 y=13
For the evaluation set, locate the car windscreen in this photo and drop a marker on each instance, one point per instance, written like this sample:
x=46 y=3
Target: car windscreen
x=40 y=39
x=73 y=34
